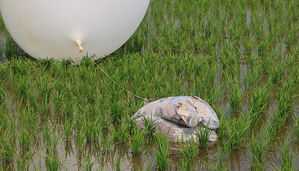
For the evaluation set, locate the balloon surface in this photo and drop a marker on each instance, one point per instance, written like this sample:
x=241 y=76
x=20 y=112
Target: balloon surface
x=68 y=29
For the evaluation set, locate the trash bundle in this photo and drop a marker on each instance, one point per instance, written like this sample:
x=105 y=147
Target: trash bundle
x=180 y=118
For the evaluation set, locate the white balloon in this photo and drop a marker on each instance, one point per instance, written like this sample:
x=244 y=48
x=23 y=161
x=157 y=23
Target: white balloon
x=67 y=29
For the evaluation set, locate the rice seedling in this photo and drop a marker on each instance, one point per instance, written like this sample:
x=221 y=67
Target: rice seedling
x=121 y=132
x=283 y=110
x=149 y=127
x=52 y=162
x=25 y=139
x=296 y=128
x=89 y=164
x=237 y=132
x=106 y=140
x=80 y=140
x=258 y=103
x=91 y=130
x=7 y=147
x=235 y=95
x=162 y=151
x=203 y=137
x=137 y=141
x=68 y=129
x=188 y=154
x=287 y=158
x=258 y=151
x=117 y=164
x=189 y=150
x=2 y=93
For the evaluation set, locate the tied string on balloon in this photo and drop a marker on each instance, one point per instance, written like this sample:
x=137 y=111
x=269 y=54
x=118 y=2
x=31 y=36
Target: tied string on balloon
x=146 y=100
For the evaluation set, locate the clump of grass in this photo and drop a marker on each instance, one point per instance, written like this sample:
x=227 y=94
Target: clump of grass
x=162 y=151
x=283 y=110
x=25 y=139
x=258 y=103
x=80 y=140
x=235 y=95
x=189 y=150
x=287 y=158
x=106 y=140
x=52 y=162
x=121 y=132
x=117 y=164
x=2 y=93
x=149 y=126
x=203 y=135
x=237 y=132
x=89 y=164
x=7 y=147
x=68 y=130
x=258 y=151
x=137 y=141
x=91 y=130
x=188 y=154
x=296 y=128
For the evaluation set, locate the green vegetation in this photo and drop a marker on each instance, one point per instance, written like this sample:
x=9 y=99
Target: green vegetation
x=137 y=141
x=240 y=56
x=162 y=151
x=203 y=137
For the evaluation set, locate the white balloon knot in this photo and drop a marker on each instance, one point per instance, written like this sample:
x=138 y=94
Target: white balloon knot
x=79 y=44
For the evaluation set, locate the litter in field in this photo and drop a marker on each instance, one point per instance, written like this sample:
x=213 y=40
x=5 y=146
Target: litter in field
x=180 y=118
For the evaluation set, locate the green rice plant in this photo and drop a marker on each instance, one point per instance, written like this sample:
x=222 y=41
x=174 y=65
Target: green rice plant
x=68 y=130
x=107 y=141
x=237 y=132
x=22 y=166
x=43 y=110
x=202 y=135
x=235 y=95
x=121 y=132
x=223 y=119
x=162 y=151
x=189 y=150
x=149 y=126
x=137 y=141
x=88 y=164
x=91 y=130
x=23 y=86
x=116 y=112
x=185 y=164
x=258 y=103
x=277 y=73
x=52 y=162
x=45 y=88
x=2 y=93
x=117 y=164
x=287 y=158
x=25 y=139
x=7 y=147
x=80 y=140
x=258 y=151
x=283 y=110
x=296 y=128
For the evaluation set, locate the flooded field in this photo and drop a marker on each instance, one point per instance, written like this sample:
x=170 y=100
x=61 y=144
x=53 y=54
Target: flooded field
x=239 y=56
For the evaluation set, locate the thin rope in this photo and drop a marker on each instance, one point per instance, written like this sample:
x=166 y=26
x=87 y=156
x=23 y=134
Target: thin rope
x=146 y=100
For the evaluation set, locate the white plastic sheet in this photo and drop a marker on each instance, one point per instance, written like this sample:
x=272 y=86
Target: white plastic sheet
x=179 y=117
x=55 y=28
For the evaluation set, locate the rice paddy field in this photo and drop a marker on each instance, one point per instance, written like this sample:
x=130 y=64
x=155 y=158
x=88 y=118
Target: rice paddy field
x=241 y=56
